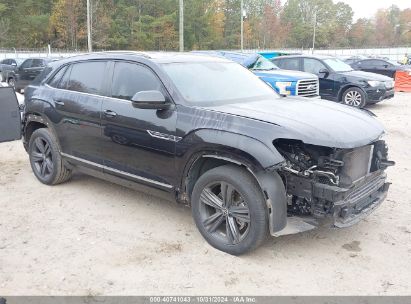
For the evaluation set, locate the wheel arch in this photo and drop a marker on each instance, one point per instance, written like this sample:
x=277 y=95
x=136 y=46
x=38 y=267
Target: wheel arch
x=346 y=87
x=33 y=122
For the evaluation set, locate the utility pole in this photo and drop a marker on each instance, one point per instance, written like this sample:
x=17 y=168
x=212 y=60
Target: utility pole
x=90 y=48
x=315 y=25
x=242 y=25
x=181 y=26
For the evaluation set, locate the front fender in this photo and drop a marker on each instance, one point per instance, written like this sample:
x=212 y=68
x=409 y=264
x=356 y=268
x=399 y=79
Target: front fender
x=247 y=149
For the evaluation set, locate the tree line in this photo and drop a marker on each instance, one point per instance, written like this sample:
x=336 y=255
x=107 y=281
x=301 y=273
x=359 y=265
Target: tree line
x=208 y=24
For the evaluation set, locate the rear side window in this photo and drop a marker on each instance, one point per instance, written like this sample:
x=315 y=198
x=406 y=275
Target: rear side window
x=86 y=77
x=55 y=81
x=129 y=79
x=289 y=64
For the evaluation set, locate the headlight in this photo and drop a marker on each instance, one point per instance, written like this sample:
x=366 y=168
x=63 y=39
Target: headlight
x=282 y=87
x=374 y=83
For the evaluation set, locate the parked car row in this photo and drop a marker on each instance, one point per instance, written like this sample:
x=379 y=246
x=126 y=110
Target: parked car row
x=290 y=75
x=380 y=66
x=338 y=81
x=206 y=132
x=18 y=72
x=285 y=82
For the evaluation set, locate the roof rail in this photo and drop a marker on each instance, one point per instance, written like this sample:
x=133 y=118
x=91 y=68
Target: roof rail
x=142 y=54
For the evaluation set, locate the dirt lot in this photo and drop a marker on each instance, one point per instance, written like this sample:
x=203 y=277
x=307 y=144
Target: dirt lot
x=91 y=237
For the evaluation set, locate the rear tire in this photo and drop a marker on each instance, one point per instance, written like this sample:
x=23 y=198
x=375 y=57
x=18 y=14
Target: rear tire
x=229 y=209
x=354 y=97
x=45 y=158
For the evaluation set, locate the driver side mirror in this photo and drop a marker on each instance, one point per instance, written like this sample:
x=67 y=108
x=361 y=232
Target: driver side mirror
x=150 y=100
x=14 y=64
x=324 y=73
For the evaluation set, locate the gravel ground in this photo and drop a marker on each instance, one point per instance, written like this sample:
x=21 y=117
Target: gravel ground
x=90 y=237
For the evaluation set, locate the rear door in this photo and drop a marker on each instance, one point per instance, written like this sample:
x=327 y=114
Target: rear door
x=10 y=119
x=77 y=99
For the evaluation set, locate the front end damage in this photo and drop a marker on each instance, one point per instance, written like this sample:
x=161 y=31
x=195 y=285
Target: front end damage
x=330 y=186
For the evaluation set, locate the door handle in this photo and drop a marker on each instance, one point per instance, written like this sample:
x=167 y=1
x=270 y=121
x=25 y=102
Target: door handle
x=59 y=102
x=110 y=114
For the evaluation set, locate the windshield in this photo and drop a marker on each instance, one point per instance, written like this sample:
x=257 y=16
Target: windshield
x=217 y=82
x=263 y=64
x=19 y=60
x=337 y=65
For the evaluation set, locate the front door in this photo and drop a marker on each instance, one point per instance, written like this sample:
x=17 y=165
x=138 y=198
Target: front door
x=10 y=119
x=314 y=66
x=138 y=144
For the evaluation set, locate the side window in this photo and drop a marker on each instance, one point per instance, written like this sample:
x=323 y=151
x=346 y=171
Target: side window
x=38 y=63
x=86 y=77
x=26 y=64
x=370 y=63
x=313 y=66
x=129 y=79
x=55 y=81
x=290 y=64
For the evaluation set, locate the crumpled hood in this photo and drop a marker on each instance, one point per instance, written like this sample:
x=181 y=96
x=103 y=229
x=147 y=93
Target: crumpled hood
x=313 y=121
x=285 y=75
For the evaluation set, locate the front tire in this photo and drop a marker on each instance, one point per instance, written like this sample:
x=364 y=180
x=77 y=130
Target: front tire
x=354 y=97
x=45 y=158
x=11 y=82
x=229 y=209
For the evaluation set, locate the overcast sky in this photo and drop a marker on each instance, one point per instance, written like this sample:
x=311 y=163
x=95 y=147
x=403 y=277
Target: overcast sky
x=367 y=8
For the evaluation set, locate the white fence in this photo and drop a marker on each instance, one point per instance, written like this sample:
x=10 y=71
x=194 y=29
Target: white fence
x=391 y=53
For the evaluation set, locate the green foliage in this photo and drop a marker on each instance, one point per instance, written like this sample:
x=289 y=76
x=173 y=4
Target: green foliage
x=208 y=24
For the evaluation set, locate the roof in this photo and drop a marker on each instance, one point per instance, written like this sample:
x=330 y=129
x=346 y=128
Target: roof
x=317 y=56
x=245 y=59
x=158 y=57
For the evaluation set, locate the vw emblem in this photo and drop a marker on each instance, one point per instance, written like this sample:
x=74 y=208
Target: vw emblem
x=311 y=87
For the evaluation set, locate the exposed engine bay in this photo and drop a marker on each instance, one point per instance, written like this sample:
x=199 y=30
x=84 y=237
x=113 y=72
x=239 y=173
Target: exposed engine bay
x=343 y=183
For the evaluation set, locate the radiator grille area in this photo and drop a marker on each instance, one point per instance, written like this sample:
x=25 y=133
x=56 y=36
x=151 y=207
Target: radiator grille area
x=308 y=88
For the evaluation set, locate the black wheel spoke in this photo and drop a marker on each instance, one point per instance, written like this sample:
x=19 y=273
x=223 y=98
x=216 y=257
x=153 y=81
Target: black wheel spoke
x=213 y=222
x=240 y=213
x=43 y=168
x=49 y=165
x=47 y=149
x=233 y=234
x=227 y=194
x=36 y=156
x=209 y=198
x=39 y=145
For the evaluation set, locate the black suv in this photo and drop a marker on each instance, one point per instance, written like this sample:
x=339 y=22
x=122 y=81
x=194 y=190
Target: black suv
x=26 y=72
x=7 y=65
x=339 y=82
x=248 y=161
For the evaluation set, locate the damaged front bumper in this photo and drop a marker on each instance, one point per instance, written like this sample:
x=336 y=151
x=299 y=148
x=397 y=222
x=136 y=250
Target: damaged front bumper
x=346 y=206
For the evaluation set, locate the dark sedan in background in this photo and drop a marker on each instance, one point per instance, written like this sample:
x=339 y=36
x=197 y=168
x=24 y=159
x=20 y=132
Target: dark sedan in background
x=9 y=64
x=379 y=66
x=26 y=72
x=339 y=82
